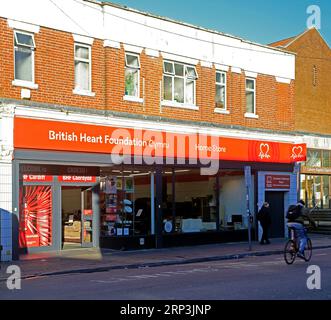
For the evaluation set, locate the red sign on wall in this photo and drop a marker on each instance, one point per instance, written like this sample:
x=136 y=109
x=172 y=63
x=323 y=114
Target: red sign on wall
x=277 y=182
x=75 y=137
x=78 y=179
x=37 y=178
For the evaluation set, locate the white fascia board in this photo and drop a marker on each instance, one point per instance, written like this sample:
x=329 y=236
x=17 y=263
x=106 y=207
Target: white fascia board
x=23 y=26
x=220 y=67
x=206 y=64
x=283 y=80
x=131 y=48
x=152 y=53
x=251 y=74
x=83 y=39
x=112 y=44
x=113 y=121
x=174 y=57
x=236 y=70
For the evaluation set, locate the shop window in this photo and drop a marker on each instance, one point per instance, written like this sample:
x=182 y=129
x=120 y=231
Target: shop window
x=24 y=47
x=125 y=202
x=250 y=96
x=314 y=158
x=35 y=217
x=132 y=70
x=316 y=191
x=326 y=154
x=179 y=83
x=82 y=67
x=326 y=200
x=220 y=99
x=189 y=201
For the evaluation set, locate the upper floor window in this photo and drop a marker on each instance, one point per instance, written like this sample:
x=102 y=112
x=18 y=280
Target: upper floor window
x=179 y=82
x=220 y=99
x=132 y=70
x=24 y=46
x=250 y=96
x=82 y=67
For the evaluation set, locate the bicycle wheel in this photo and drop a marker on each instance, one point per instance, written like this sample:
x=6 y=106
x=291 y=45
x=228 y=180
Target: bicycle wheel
x=290 y=252
x=308 y=250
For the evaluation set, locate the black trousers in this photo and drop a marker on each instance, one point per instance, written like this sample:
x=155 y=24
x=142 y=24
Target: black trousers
x=265 y=233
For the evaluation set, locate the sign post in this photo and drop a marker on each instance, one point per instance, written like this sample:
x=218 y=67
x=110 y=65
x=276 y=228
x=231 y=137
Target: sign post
x=248 y=181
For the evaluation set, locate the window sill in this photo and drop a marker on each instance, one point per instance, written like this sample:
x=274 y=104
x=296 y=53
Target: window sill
x=83 y=93
x=173 y=104
x=251 y=116
x=24 y=84
x=133 y=99
x=221 y=111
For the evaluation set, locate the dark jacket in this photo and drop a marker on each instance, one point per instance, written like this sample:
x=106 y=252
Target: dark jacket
x=264 y=216
x=304 y=215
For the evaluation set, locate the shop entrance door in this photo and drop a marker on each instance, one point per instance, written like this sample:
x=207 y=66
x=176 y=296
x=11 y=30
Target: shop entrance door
x=276 y=201
x=77 y=217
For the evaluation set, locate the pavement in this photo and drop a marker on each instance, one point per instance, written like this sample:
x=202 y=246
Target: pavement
x=98 y=260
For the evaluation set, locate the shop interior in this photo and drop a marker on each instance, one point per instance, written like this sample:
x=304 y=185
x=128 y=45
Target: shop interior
x=76 y=209
x=191 y=202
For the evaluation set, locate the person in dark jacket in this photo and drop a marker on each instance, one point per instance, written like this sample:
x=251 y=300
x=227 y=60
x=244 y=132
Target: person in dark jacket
x=299 y=226
x=265 y=220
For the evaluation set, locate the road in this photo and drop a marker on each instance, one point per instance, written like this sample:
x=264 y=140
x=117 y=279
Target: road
x=254 y=278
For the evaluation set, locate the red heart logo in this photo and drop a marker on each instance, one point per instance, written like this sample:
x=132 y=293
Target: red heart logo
x=264 y=148
x=297 y=151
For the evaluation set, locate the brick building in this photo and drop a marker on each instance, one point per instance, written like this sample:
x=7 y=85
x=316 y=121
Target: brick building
x=109 y=114
x=312 y=109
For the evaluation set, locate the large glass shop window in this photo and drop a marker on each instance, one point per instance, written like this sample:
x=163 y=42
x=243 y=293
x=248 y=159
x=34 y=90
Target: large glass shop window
x=125 y=202
x=36 y=217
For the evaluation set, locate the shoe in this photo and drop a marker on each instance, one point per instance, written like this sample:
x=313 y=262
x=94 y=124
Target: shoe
x=301 y=255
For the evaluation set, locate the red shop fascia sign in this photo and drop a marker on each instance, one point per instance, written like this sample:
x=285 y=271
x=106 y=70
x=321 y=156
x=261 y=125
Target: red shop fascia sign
x=76 y=137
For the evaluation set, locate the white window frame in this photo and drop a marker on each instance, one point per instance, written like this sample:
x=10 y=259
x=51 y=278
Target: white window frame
x=80 y=91
x=250 y=114
x=225 y=109
x=127 y=66
x=19 y=82
x=173 y=75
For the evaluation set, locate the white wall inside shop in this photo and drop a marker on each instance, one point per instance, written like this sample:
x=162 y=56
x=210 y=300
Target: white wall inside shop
x=232 y=195
x=233 y=198
x=185 y=191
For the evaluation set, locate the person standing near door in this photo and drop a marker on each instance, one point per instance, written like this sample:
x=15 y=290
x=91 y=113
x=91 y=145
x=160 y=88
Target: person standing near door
x=264 y=218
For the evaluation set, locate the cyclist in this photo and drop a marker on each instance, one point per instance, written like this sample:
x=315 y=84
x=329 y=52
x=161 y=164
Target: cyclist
x=298 y=225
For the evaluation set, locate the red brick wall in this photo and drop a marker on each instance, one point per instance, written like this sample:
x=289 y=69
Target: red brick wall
x=313 y=101
x=54 y=73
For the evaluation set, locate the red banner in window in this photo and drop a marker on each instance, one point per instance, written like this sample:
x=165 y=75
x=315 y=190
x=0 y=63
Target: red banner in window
x=78 y=179
x=37 y=178
x=35 y=217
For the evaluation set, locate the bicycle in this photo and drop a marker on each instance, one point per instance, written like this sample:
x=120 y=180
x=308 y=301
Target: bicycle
x=292 y=247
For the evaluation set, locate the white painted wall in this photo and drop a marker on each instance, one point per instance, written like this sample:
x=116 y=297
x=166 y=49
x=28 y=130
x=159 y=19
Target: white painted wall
x=6 y=147
x=147 y=31
x=5 y=211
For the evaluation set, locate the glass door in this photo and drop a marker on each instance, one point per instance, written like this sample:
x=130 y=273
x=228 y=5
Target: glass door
x=87 y=218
